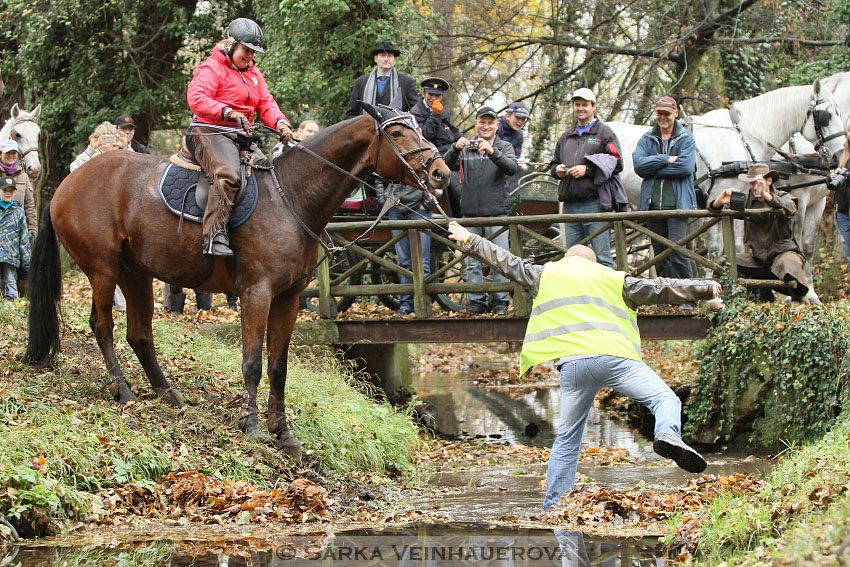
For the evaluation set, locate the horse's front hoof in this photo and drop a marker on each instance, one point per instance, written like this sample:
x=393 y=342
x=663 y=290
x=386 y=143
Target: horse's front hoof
x=248 y=425
x=289 y=444
x=121 y=392
x=170 y=397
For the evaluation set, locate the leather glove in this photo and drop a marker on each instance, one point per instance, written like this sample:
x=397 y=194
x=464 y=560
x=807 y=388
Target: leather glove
x=240 y=119
x=33 y=233
x=437 y=107
x=429 y=202
x=283 y=132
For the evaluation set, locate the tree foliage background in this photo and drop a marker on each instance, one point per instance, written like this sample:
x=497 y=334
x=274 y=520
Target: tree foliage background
x=88 y=61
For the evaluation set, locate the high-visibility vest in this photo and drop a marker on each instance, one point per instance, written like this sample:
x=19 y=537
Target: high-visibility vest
x=579 y=309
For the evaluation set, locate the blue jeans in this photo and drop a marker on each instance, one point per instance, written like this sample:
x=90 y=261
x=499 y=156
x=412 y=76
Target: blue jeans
x=580 y=381
x=842 y=224
x=9 y=274
x=576 y=231
x=474 y=273
x=676 y=265
x=402 y=248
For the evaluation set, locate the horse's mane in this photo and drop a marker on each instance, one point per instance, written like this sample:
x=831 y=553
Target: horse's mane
x=313 y=142
x=794 y=102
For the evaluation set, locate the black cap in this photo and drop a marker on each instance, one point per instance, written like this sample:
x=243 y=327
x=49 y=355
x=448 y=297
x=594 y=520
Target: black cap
x=386 y=47
x=124 y=120
x=486 y=111
x=434 y=85
x=7 y=182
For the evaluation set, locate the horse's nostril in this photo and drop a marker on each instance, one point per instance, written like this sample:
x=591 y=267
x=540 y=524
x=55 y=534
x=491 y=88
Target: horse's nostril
x=437 y=175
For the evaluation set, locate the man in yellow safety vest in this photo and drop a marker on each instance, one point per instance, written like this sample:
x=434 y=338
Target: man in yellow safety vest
x=584 y=318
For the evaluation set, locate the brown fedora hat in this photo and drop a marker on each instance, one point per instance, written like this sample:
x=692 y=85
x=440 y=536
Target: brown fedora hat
x=758 y=169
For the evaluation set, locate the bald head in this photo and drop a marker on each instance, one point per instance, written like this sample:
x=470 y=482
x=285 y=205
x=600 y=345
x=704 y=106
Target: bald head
x=581 y=251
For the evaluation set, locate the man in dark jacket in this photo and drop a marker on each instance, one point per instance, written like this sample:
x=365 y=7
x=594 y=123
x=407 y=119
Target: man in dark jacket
x=578 y=187
x=665 y=157
x=511 y=125
x=774 y=253
x=126 y=124
x=384 y=85
x=485 y=163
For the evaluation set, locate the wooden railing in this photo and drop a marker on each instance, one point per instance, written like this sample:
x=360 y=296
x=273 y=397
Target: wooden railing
x=370 y=261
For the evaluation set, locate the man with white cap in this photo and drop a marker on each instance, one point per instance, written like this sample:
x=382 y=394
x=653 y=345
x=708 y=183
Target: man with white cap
x=580 y=176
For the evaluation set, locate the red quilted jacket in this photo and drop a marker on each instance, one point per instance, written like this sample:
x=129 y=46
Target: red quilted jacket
x=217 y=84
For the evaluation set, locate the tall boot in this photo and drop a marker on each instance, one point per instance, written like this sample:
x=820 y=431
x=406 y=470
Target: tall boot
x=177 y=299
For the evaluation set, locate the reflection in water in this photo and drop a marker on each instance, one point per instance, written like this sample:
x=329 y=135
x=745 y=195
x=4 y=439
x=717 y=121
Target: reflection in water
x=425 y=545
x=511 y=414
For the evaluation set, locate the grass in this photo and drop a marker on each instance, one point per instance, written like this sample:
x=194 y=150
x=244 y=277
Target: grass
x=802 y=512
x=64 y=439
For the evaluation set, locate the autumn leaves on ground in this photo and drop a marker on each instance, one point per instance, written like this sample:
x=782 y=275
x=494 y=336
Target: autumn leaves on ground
x=73 y=460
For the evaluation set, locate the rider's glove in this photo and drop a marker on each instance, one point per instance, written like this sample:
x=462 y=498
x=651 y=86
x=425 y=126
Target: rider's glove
x=283 y=131
x=240 y=119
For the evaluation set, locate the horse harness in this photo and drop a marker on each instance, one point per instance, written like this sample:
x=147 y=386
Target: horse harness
x=820 y=118
x=12 y=134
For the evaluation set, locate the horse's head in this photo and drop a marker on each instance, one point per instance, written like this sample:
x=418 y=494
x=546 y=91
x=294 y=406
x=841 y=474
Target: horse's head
x=402 y=153
x=25 y=130
x=824 y=126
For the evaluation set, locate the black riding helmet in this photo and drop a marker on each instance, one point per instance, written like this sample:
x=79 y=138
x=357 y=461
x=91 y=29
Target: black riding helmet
x=248 y=33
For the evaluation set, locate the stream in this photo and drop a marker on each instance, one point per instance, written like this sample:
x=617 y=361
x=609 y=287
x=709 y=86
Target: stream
x=469 y=501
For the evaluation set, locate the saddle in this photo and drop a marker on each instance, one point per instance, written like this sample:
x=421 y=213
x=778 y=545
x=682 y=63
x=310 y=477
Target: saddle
x=185 y=191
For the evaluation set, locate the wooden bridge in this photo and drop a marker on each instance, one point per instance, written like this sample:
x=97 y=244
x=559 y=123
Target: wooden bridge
x=370 y=262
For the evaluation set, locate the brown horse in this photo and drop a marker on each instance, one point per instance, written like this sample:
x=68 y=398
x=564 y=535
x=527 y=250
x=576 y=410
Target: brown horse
x=110 y=219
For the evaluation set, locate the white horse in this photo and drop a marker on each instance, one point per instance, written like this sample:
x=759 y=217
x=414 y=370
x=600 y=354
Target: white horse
x=765 y=122
x=24 y=129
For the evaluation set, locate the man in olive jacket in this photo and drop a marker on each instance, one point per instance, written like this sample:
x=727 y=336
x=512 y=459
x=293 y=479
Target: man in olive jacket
x=774 y=253
x=584 y=318
x=577 y=189
x=485 y=164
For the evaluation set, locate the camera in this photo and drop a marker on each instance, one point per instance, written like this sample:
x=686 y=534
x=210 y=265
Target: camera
x=107 y=139
x=738 y=201
x=839 y=181
x=473 y=144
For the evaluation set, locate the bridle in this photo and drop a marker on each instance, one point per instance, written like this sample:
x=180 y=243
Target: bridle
x=409 y=121
x=17 y=121
x=821 y=119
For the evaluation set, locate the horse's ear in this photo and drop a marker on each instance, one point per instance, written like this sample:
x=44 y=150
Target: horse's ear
x=15 y=110
x=817 y=87
x=36 y=111
x=372 y=110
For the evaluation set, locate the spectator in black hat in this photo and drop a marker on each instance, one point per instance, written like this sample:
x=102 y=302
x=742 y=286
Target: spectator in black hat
x=384 y=85
x=126 y=124
x=511 y=125
x=485 y=164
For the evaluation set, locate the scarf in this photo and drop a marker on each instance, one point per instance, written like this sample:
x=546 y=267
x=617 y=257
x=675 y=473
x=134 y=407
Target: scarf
x=6 y=204
x=370 y=91
x=10 y=169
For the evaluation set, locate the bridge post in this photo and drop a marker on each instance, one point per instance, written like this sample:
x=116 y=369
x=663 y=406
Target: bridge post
x=728 y=225
x=522 y=300
x=421 y=306
x=387 y=365
x=327 y=305
x=620 y=247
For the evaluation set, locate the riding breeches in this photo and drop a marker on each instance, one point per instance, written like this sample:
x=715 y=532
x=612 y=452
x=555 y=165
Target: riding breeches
x=218 y=156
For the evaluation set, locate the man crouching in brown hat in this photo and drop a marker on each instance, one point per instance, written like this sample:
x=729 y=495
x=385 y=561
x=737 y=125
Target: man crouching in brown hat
x=774 y=253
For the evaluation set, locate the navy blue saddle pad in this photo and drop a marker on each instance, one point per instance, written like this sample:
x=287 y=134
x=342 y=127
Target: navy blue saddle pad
x=177 y=187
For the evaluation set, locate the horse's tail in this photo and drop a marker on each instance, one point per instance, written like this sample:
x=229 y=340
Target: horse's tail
x=45 y=290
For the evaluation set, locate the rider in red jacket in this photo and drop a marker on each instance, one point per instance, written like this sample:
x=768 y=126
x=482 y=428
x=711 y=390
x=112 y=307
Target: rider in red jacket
x=224 y=93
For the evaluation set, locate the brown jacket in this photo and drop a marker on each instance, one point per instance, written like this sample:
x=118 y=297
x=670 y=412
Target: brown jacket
x=26 y=197
x=636 y=291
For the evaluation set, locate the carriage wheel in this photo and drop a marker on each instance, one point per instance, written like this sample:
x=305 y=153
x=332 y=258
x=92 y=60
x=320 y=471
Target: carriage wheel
x=442 y=255
x=340 y=261
x=382 y=275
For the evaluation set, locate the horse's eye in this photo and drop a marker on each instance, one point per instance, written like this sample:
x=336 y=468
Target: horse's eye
x=396 y=134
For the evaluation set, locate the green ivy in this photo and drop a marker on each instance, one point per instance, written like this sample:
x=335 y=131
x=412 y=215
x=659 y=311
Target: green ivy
x=779 y=371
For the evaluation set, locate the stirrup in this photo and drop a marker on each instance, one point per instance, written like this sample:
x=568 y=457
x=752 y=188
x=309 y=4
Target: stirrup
x=212 y=247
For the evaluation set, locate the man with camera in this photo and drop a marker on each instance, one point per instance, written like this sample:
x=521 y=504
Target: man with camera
x=664 y=158
x=840 y=183
x=580 y=177
x=485 y=164
x=774 y=253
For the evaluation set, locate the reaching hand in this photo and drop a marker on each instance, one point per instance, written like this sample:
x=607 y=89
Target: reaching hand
x=240 y=119
x=457 y=232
